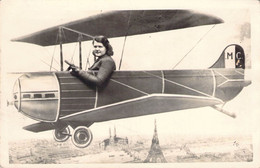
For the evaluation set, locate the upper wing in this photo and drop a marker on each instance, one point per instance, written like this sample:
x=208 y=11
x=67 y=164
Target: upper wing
x=152 y=104
x=122 y=23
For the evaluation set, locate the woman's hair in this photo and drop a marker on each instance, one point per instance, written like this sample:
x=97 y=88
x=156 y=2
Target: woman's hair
x=106 y=44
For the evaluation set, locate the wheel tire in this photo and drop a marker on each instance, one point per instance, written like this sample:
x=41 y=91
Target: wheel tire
x=61 y=135
x=82 y=137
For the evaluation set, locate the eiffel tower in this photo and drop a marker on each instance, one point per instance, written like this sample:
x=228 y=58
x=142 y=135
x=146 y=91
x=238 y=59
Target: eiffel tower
x=155 y=154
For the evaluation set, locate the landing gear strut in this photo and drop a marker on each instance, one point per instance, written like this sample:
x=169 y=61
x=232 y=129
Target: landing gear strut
x=82 y=137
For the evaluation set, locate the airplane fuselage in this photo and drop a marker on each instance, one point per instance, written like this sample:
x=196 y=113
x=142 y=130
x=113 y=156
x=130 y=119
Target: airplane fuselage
x=48 y=96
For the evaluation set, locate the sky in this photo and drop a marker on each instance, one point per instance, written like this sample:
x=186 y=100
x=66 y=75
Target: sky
x=142 y=52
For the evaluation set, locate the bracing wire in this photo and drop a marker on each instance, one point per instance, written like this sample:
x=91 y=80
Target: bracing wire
x=51 y=66
x=88 y=63
x=63 y=33
x=57 y=62
x=194 y=46
x=76 y=45
x=75 y=31
x=48 y=65
x=73 y=54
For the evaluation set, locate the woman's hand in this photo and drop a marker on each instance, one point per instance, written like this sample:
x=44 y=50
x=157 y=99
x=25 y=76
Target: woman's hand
x=75 y=69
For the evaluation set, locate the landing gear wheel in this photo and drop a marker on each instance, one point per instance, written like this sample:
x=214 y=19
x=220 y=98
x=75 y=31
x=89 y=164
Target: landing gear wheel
x=61 y=135
x=82 y=137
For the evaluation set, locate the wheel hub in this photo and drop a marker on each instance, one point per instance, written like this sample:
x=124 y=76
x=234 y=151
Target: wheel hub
x=82 y=137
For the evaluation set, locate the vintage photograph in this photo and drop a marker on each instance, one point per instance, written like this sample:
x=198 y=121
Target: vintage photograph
x=147 y=85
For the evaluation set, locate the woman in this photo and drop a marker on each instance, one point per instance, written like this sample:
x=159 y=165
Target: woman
x=104 y=63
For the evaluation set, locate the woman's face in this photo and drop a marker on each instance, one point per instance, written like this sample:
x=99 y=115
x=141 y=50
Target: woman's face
x=99 y=49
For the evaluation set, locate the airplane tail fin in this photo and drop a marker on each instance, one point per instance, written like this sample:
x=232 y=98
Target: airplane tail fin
x=233 y=56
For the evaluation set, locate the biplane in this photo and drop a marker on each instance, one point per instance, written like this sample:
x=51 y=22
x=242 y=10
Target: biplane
x=60 y=101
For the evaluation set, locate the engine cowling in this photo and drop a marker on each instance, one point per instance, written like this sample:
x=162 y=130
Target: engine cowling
x=46 y=96
x=37 y=96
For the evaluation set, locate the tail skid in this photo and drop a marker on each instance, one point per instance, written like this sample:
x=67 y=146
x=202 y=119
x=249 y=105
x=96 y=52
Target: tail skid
x=233 y=115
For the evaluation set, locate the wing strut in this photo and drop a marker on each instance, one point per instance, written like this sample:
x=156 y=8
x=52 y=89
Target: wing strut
x=128 y=26
x=80 y=52
x=61 y=54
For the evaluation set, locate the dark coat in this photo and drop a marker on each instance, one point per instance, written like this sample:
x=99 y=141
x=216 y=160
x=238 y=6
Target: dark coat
x=105 y=66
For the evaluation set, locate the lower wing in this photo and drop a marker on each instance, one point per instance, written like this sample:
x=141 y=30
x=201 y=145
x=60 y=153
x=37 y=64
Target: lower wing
x=151 y=104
